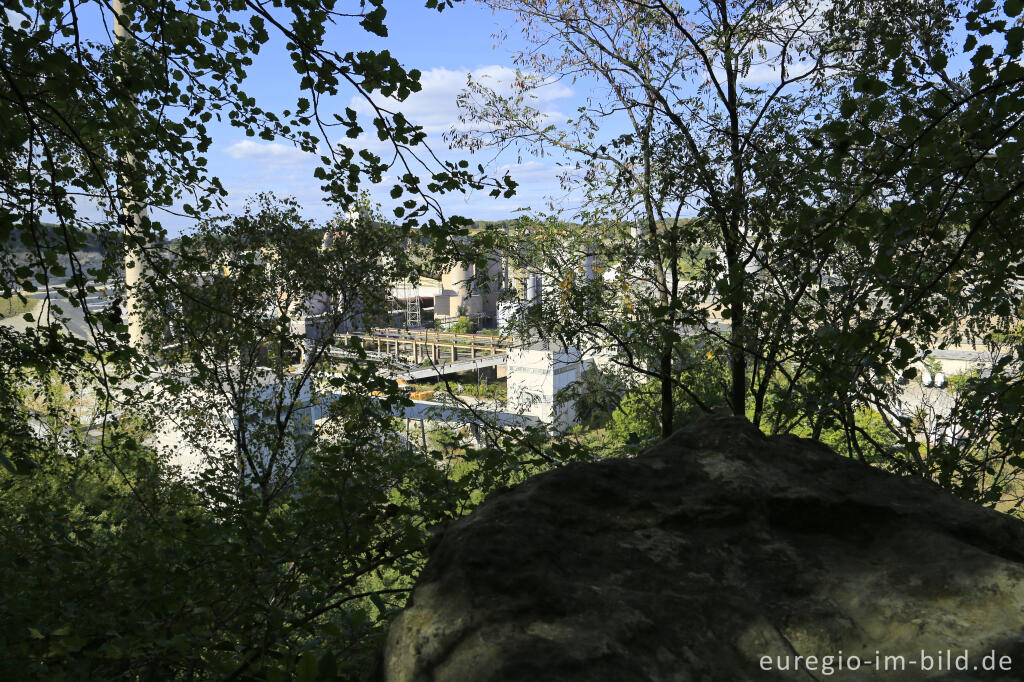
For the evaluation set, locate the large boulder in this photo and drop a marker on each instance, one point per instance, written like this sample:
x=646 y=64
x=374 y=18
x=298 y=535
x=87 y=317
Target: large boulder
x=718 y=554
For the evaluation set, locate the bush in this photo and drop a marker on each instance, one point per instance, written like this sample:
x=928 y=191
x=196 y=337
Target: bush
x=636 y=423
x=463 y=325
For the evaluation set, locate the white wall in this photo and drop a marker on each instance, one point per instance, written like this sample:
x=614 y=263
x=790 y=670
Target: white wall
x=202 y=430
x=535 y=377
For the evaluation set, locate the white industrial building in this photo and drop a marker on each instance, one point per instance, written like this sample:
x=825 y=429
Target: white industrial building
x=206 y=428
x=463 y=294
x=537 y=379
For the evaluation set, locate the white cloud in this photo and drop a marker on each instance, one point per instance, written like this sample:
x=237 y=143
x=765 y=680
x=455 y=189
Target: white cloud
x=289 y=171
x=769 y=73
x=539 y=183
x=435 y=106
x=14 y=19
x=535 y=173
x=502 y=79
x=17 y=21
x=267 y=152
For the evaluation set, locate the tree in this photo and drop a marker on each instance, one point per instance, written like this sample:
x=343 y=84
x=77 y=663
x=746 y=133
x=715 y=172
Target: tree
x=245 y=327
x=282 y=553
x=919 y=195
x=834 y=220
x=635 y=423
x=701 y=137
x=463 y=325
x=634 y=200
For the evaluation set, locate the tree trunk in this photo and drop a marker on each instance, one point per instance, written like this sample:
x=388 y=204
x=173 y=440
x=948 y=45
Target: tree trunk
x=734 y=239
x=132 y=217
x=665 y=361
x=737 y=358
x=668 y=409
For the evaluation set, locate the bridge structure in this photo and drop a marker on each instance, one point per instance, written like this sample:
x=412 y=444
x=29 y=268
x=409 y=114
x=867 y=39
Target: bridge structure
x=430 y=348
x=437 y=371
x=416 y=355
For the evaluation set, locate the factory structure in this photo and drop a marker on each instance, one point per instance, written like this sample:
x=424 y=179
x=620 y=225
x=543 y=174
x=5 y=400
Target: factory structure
x=463 y=292
x=538 y=378
x=420 y=333
x=535 y=372
x=414 y=342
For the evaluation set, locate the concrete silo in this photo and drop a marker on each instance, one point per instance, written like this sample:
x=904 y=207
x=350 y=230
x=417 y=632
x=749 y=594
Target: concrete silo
x=457 y=295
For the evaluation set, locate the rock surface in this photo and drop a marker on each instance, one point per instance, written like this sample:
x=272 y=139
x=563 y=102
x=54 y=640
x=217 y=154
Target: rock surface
x=712 y=549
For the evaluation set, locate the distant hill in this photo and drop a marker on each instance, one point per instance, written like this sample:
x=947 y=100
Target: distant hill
x=51 y=234
x=90 y=253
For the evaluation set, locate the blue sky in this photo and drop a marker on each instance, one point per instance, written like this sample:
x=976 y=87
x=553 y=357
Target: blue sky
x=444 y=47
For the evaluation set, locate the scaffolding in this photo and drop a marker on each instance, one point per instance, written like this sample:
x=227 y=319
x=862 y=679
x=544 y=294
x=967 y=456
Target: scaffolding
x=413 y=316
x=413 y=312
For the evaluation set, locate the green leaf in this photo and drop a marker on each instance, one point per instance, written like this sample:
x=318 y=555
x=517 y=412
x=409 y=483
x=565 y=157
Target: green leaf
x=893 y=47
x=7 y=464
x=308 y=668
x=374 y=22
x=938 y=62
x=905 y=348
x=328 y=668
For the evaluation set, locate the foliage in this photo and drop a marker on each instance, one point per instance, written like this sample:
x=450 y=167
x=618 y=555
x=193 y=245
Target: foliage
x=924 y=148
x=140 y=572
x=204 y=525
x=152 y=582
x=852 y=210
x=869 y=437
x=635 y=423
x=960 y=382
x=493 y=390
x=463 y=325
x=596 y=396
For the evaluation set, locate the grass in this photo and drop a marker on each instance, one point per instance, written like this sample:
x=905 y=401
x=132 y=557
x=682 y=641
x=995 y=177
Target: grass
x=12 y=306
